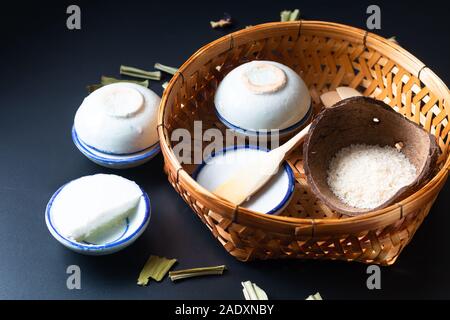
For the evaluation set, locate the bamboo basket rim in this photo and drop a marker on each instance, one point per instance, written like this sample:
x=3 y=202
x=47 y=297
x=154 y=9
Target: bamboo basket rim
x=391 y=49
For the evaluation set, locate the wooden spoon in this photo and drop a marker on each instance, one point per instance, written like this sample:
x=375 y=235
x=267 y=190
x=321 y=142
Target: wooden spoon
x=256 y=173
x=347 y=92
x=330 y=98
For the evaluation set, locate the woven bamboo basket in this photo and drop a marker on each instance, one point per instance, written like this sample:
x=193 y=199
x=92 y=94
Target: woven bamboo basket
x=326 y=55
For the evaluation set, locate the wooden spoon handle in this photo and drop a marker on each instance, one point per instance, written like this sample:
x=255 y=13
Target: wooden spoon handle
x=292 y=143
x=347 y=92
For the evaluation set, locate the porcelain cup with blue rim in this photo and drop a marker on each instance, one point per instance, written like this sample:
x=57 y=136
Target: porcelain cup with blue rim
x=116 y=238
x=116 y=125
x=272 y=199
x=115 y=161
x=263 y=98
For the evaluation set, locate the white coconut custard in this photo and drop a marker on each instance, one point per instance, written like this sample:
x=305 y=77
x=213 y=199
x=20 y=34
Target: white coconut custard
x=272 y=198
x=262 y=95
x=93 y=204
x=119 y=118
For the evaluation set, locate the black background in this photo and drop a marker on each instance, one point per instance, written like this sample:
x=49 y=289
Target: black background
x=44 y=71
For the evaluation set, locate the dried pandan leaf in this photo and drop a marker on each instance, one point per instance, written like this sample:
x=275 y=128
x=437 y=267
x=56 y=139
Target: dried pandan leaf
x=223 y=22
x=139 y=73
x=196 y=272
x=108 y=80
x=92 y=87
x=315 y=296
x=253 y=292
x=290 y=15
x=166 y=69
x=155 y=268
x=393 y=39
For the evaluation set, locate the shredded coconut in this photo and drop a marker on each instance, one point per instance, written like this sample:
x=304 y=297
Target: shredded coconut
x=365 y=176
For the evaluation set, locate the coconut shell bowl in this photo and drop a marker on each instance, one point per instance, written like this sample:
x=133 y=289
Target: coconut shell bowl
x=326 y=56
x=363 y=120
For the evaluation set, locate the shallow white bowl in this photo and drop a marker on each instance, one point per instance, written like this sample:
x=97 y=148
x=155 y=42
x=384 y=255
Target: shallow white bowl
x=115 y=161
x=273 y=198
x=116 y=239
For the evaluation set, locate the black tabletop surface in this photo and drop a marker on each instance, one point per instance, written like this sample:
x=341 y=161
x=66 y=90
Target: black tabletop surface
x=44 y=71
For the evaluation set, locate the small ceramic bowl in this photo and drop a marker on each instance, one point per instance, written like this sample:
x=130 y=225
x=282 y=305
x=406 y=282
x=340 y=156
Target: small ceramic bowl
x=252 y=133
x=115 y=126
x=258 y=97
x=116 y=239
x=115 y=161
x=273 y=198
